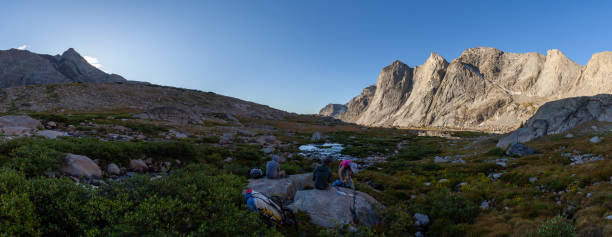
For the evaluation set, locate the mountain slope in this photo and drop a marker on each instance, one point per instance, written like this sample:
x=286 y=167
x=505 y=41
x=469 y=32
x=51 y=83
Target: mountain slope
x=22 y=67
x=131 y=97
x=483 y=89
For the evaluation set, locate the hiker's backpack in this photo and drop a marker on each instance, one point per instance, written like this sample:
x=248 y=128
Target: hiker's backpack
x=256 y=173
x=272 y=212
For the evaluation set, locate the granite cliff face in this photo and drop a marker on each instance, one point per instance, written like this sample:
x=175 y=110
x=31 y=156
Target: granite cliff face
x=483 y=89
x=22 y=67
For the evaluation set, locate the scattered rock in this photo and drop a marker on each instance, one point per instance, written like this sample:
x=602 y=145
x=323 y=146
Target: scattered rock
x=228 y=160
x=578 y=159
x=588 y=195
x=81 y=166
x=113 y=169
x=268 y=150
x=138 y=165
x=439 y=159
x=484 y=205
x=178 y=134
x=421 y=220
x=595 y=140
x=495 y=176
x=519 y=149
x=331 y=207
x=50 y=134
x=227 y=138
x=268 y=139
x=453 y=159
x=533 y=179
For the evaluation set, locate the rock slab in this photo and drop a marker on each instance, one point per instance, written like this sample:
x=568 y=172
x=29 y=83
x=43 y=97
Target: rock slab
x=283 y=187
x=81 y=166
x=17 y=125
x=333 y=207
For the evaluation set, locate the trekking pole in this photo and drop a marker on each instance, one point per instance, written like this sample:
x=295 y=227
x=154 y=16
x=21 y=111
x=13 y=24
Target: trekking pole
x=353 y=211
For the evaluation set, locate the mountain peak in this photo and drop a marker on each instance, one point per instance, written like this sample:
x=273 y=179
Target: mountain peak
x=29 y=68
x=435 y=58
x=71 y=53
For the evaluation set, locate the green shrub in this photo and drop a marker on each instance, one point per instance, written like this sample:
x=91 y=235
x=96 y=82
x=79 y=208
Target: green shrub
x=555 y=227
x=496 y=152
x=445 y=228
x=247 y=152
x=198 y=200
x=443 y=204
x=34 y=160
x=113 y=151
x=17 y=213
x=209 y=139
x=418 y=151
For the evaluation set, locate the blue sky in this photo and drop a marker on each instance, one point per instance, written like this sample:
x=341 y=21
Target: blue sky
x=294 y=55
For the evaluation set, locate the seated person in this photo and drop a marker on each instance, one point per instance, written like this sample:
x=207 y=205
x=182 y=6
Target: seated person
x=273 y=169
x=322 y=175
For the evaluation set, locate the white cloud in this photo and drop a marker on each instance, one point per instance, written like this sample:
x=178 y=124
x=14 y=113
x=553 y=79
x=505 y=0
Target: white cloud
x=23 y=47
x=93 y=61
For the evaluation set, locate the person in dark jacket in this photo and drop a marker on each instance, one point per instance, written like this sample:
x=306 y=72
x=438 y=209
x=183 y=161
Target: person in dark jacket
x=322 y=175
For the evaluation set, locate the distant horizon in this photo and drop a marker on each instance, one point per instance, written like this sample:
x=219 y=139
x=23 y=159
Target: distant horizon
x=374 y=82
x=294 y=56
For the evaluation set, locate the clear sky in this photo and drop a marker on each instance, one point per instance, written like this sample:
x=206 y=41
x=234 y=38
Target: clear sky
x=289 y=54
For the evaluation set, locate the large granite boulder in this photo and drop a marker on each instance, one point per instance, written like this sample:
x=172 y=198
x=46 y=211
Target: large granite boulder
x=81 y=166
x=283 y=187
x=51 y=134
x=561 y=115
x=334 y=206
x=138 y=165
x=519 y=149
x=16 y=125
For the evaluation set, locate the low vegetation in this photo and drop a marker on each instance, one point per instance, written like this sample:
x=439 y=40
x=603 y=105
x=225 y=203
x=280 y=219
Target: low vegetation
x=536 y=195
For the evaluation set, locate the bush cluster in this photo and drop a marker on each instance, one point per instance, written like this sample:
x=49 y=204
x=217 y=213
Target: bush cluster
x=198 y=200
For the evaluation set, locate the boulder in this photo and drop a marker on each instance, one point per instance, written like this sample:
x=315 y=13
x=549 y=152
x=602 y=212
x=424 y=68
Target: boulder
x=561 y=115
x=51 y=134
x=267 y=150
x=595 y=140
x=284 y=187
x=334 y=206
x=484 y=205
x=113 y=169
x=519 y=150
x=226 y=138
x=17 y=125
x=421 y=220
x=269 y=139
x=138 y=165
x=178 y=134
x=81 y=166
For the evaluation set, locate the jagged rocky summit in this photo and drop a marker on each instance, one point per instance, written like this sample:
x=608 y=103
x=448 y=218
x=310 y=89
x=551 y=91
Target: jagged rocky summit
x=22 y=68
x=483 y=89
